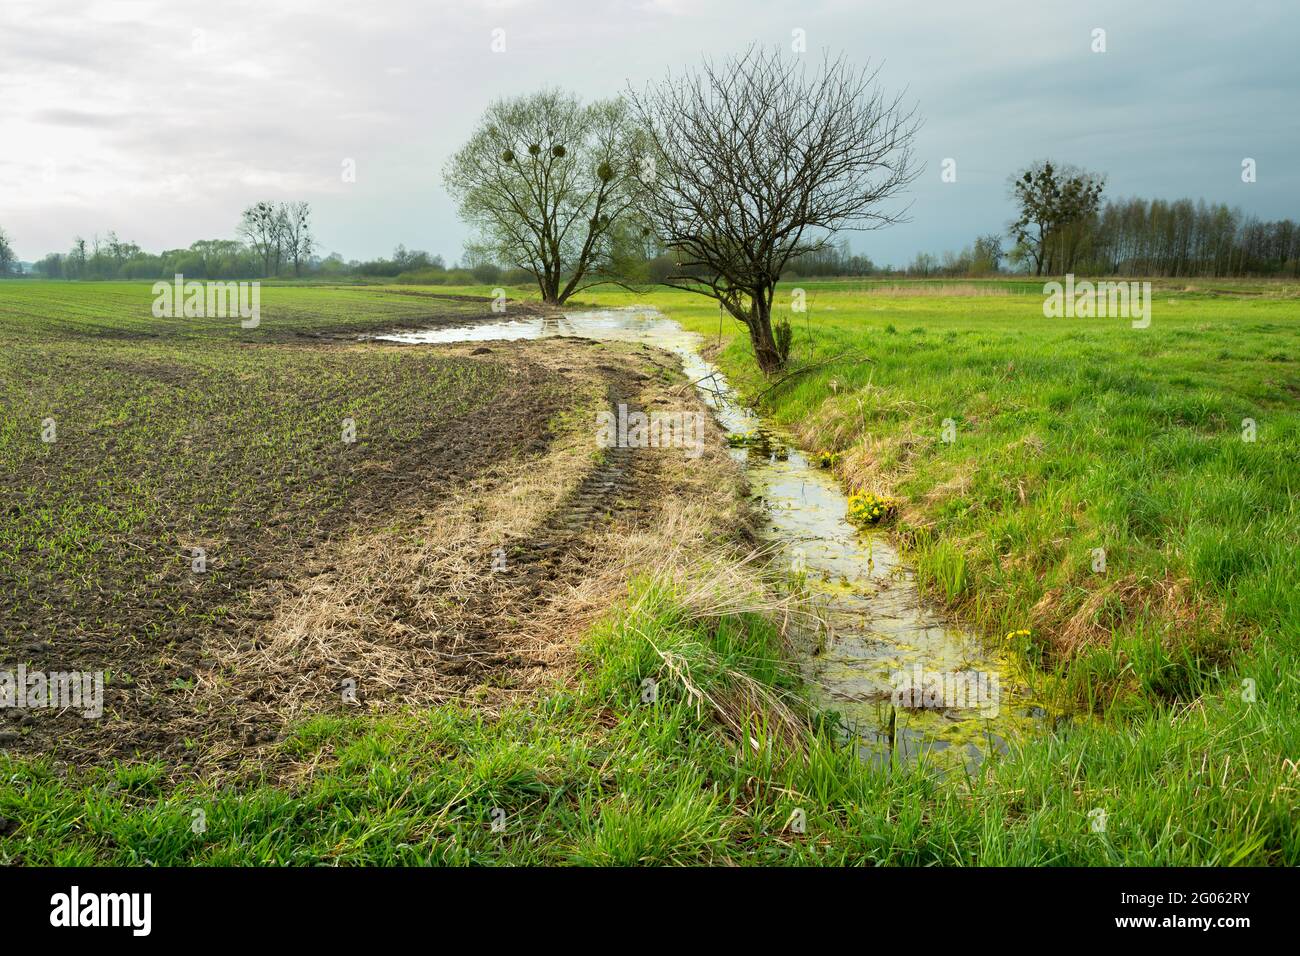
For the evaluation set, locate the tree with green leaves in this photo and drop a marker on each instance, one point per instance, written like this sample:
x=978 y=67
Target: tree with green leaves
x=987 y=254
x=1056 y=204
x=546 y=182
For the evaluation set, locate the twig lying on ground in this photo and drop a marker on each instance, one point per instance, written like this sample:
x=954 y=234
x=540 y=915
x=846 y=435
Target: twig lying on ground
x=800 y=371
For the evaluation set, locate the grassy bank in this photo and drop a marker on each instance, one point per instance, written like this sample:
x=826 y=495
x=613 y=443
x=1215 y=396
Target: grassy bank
x=1068 y=436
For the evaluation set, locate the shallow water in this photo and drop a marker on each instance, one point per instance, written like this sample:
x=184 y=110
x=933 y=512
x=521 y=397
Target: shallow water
x=878 y=626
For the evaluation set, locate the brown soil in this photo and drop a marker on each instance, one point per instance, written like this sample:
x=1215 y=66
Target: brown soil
x=401 y=599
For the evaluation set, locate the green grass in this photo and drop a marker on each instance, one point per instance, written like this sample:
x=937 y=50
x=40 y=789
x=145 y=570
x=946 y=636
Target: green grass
x=1072 y=434
x=594 y=775
x=122 y=311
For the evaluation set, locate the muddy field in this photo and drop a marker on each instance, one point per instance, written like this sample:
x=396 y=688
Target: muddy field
x=241 y=534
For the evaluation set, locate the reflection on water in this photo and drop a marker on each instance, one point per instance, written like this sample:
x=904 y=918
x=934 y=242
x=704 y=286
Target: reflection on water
x=877 y=624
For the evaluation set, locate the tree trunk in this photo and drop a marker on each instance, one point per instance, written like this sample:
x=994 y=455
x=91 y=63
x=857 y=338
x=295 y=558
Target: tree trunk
x=760 y=336
x=549 y=288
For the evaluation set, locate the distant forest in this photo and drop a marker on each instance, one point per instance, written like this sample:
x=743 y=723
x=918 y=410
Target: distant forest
x=1139 y=237
x=1131 y=237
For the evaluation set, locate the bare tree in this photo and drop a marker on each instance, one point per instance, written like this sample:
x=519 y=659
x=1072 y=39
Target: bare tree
x=259 y=225
x=298 y=240
x=545 y=181
x=279 y=236
x=755 y=163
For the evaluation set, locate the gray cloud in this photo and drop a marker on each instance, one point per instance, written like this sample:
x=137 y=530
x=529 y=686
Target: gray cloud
x=81 y=118
x=162 y=120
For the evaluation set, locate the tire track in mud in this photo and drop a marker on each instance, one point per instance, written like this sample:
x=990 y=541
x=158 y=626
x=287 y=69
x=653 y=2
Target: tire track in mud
x=484 y=637
x=610 y=491
x=620 y=491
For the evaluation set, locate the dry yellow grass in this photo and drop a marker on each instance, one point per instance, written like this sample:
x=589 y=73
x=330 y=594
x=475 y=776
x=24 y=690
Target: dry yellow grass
x=941 y=290
x=412 y=614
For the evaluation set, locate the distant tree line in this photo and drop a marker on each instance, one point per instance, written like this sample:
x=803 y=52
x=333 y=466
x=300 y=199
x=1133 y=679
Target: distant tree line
x=278 y=240
x=274 y=240
x=111 y=258
x=230 y=259
x=1062 y=226
x=984 y=257
x=832 y=260
x=1157 y=237
x=416 y=265
x=1183 y=238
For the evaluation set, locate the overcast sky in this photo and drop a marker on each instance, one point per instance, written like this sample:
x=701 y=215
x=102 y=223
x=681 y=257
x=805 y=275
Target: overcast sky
x=162 y=120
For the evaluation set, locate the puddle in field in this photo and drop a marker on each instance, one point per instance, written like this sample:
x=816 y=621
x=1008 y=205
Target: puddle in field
x=879 y=627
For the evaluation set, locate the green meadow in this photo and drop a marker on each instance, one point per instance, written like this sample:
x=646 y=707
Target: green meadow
x=1174 y=671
